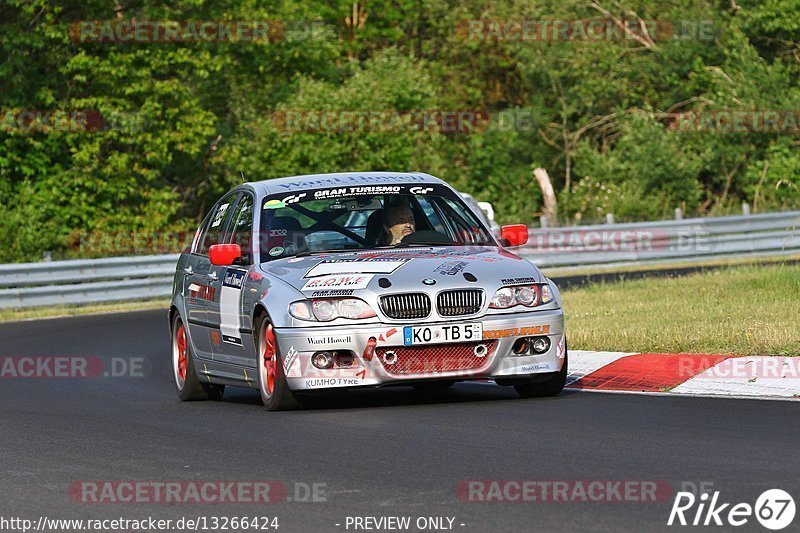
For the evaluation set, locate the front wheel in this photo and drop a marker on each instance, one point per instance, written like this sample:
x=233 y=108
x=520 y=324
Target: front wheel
x=187 y=383
x=275 y=392
x=550 y=387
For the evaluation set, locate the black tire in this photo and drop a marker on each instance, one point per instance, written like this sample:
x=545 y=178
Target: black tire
x=280 y=397
x=550 y=387
x=430 y=386
x=187 y=384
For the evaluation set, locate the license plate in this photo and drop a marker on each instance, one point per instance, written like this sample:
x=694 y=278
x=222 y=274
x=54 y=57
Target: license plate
x=413 y=335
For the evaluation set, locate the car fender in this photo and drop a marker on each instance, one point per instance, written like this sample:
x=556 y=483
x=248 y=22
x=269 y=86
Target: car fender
x=556 y=292
x=274 y=295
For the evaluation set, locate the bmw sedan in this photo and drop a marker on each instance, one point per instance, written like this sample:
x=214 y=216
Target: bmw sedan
x=327 y=282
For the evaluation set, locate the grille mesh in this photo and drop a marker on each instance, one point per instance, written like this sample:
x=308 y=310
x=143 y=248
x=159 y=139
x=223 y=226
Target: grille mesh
x=427 y=360
x=459 y=302
x=406 y=306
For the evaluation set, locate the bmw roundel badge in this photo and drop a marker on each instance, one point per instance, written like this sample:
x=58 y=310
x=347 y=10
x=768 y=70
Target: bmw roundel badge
x=429 y=281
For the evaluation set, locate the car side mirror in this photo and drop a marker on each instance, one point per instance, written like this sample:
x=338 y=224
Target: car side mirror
x=515 y=234
x=224 y=254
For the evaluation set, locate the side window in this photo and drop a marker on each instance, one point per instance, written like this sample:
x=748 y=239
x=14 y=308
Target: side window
x=220 y=216
x=242 y=229
x=431 y=215
x=200 y=234
x=283 y=233
x=468 y=229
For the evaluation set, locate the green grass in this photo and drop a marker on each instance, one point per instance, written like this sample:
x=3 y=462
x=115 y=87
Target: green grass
x=10 y=315
x=709 y=263
x=744 y=310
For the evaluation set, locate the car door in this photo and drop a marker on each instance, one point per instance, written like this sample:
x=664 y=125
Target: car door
x=200 y=290
x=231 y=283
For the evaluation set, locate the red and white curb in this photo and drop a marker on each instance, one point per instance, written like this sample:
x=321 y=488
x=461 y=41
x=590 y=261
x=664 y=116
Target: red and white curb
x=767 y=377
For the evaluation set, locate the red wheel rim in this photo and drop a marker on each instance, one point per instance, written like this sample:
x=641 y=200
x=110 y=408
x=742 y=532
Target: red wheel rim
x=269 y=358
x=180 y=338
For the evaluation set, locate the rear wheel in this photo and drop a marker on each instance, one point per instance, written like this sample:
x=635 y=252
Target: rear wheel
x=550 y=387
x=187 y=383
x=275 y=392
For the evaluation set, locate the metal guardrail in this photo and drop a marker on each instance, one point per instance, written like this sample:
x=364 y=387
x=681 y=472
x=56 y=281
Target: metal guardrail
x=131 y=278
x=85 y=281
x=689 y=240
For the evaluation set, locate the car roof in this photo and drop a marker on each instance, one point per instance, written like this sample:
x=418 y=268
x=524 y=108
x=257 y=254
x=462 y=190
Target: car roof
x=340 y=179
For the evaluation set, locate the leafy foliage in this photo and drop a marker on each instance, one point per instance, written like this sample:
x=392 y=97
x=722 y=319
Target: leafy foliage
x=183 y=119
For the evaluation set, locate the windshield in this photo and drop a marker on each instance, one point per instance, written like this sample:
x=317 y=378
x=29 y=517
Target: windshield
x=367 y=217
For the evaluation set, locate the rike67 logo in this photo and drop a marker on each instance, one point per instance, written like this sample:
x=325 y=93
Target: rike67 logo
x=774 y=509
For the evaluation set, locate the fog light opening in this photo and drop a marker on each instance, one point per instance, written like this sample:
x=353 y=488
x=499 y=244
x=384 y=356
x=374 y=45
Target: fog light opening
x=480 y=350
x=322 y=360
x=520 y=346
x=390 y=358
x=344 y=359
x=540 y=344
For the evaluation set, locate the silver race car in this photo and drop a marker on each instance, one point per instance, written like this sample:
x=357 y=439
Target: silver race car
x=335 y=281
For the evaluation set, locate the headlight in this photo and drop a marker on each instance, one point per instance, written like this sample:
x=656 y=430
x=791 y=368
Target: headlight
x=354 y=308
x=324 y=310
x=301 y=310
x=331 y=309
x=503 y=298
x=547 y=293
x=527 y=295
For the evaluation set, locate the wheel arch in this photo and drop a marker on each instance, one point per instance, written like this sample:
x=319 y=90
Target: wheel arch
x=173 y=310
x=259 y=311
x=176 y=307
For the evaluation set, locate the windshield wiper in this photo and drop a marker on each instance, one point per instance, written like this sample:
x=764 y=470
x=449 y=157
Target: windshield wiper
x=302 y=254
x=309 y=252
x=404 y=245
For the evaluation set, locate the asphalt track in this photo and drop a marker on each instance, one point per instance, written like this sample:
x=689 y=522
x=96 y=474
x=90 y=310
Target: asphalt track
x=390 y=452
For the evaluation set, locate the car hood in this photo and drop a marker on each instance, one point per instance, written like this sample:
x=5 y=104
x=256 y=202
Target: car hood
x=404 y=269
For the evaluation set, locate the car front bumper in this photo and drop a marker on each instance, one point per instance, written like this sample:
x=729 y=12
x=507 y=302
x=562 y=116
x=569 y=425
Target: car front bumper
x=373 y=345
